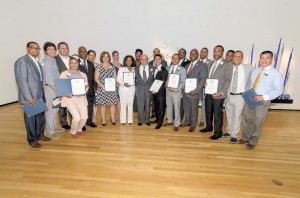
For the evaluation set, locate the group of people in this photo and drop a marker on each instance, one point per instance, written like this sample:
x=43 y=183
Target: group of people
x=36 y=80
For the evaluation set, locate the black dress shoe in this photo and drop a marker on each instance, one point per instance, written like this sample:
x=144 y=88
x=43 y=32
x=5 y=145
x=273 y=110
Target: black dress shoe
x=215 y=137
x=140 y=124
x=84 y=128
x=92 y=125
x=158 y=126
x=66 y=126
x=205 y=130
x=153 y=116
x=114 y=123
x=176 y=129
x=192 y=129
x=153 y=122
x=148 y=124
x=103 y=124
x=250 y=146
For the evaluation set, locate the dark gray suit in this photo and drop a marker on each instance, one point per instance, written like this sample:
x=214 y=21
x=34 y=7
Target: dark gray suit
x=143 y=94
x=190 y=102
x=30 y=86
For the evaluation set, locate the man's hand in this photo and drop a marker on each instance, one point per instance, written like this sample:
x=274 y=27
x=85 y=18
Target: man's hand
x=205 y=84
x=167 y=82
x=171 y=89
x=259 y=98
x=31 y=101
x=216 y=95
x=126 y=85
x=194 y=92
x=153 y=92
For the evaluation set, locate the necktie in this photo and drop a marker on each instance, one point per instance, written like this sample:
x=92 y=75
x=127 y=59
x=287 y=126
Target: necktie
x=172 y=70
x=213 y=69
x=235 y=80
x=255 y=84
x=85 y=66
x=190 y=69
x=144 y=75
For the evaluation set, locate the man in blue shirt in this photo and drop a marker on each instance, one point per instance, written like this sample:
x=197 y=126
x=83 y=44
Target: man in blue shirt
x=268 y=84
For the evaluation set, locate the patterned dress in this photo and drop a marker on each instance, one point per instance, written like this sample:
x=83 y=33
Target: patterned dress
x=109 y=97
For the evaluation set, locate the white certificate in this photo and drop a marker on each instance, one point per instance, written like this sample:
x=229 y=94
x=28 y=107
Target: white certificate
x=128 y=77
x=156 y=85
x=173 y=81
x=190 y=84
x=211 y=86
x=78 y=86
x=110 y=84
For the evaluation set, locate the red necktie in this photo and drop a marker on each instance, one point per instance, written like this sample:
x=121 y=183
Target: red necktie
x=190 y=69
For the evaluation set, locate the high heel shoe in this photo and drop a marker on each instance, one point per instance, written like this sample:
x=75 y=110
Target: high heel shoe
x=103 y=124
x=114 y=123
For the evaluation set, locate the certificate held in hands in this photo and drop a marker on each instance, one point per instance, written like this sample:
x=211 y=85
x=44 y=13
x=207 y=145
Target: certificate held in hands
x=249 y=98
x=65 y=87
x=173 y=81
x=156 y=85
x=37 y=108
x=110 y=84
x=190 y=84
x=128 y=77
x=211 y=86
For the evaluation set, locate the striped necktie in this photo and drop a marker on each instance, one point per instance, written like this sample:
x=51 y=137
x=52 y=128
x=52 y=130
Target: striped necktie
x=190 y=69
x=235 y=80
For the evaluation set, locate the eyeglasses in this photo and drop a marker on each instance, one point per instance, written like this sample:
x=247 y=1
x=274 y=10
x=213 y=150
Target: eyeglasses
x=35 y=48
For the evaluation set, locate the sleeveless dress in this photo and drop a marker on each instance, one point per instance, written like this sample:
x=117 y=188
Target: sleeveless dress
x=109 y=97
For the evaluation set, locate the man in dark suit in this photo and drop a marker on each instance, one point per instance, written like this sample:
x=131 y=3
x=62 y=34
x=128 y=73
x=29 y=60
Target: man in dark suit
x=88 y=68
x=160 y=73
x=197 y=70
x=221 y=70
x=29 y=79
x=62 y=61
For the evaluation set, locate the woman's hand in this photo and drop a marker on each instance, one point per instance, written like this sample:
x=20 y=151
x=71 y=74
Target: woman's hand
x=126 y=85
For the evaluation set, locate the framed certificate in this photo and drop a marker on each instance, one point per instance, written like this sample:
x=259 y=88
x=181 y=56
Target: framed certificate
x=190 y=84
x=211 y=86
x=173 y=81
x=156 y=85
x=110 y=84
x=128 y=77
x=78 y=86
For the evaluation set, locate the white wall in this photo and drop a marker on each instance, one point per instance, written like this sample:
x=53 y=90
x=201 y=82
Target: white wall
x=127 y=25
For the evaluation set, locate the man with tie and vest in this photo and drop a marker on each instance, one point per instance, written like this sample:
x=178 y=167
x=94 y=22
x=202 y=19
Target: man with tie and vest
x=234 y=102
x=267 y=82
x=88 y=68
x=221 y=70
x=196 y=70
x=143 y=80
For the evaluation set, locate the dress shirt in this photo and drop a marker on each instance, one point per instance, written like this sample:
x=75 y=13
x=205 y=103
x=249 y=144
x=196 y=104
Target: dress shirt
x=173 y=69
x=66 y=61
x=191 y=65
x=35 y=60
x=218 y=62
x=157 y=69
x=241 y=83
x=142 y=69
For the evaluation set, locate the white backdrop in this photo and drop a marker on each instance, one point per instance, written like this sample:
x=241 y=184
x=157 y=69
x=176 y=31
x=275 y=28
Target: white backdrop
x=126 y=25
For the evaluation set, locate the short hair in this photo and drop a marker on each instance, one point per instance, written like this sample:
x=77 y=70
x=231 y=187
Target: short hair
x=31 y=42
x=156 y=48
x=72 y=58
x=138 y=50
x=132 y=59
x=182 y=49
x=157 y=55
x=239 y=51
x=103 y=54
x=204 y=48
x=48 y=44
x=220 y=47
x=114 y=52
x=91 y=51
x=176 y=54
x=62 y=43
x=267 y=52
x=195 y=50
x=230 y=51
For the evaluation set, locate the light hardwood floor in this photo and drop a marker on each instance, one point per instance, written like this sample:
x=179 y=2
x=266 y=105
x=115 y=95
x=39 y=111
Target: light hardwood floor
x=132 y=161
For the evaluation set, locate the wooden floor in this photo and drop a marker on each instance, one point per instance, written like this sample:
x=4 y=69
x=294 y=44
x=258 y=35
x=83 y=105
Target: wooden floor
x=132 y=161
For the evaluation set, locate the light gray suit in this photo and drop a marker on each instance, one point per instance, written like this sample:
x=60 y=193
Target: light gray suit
x=174 y=98
x=142 y=90
x=190 y=102
x=30 y=86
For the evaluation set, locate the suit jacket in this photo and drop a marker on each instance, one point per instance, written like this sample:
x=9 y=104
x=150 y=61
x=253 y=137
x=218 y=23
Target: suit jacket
x=182 y=72
x=140 y=86
x=60 y=64
x=200 y=72
x=208 y=61
x=224 y=74
x=185 y=62
x=163 y=63
x=28 y=79
x=90 y=76
x=162 y=75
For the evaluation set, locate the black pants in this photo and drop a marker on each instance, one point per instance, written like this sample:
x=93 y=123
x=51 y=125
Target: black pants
x=214 y=111
x=35 y=126
x=90 y=96
x=62 y=112
x=160 y=108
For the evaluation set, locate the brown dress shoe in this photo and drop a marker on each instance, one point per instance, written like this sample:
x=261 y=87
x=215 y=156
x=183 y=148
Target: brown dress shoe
x=192 y=129
x=167 y=124
x=250 y=146
x=44 y=138
x=241 y=141
x=183 y=125
x=35 y=144
x=176 y=128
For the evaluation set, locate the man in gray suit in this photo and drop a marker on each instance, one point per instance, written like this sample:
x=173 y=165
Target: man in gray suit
x=29 y=79
x=221 y=70
x=207 y=61
x=62 y=61
x=197 y=70
x=234 y=103
x=144 y=79
x=173 y=96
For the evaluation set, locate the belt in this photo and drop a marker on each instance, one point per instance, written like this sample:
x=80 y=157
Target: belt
x=235 y=94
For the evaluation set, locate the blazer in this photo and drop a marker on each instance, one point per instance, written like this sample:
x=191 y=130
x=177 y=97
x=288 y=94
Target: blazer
x=178 y=91
x=90 y=76
x=140 y=85
x=224 y=74
x=60 y=64
x=28 y=79
x=161 y=75
x=185 y=62
x=163 y=63
x=208 y=61
x=50 y=70
x=200 y=72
